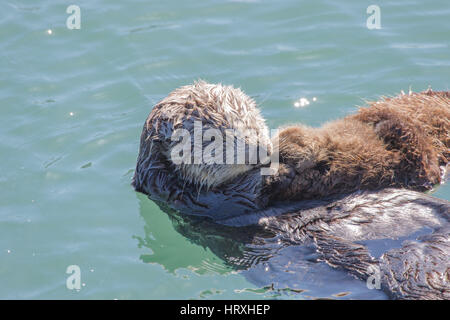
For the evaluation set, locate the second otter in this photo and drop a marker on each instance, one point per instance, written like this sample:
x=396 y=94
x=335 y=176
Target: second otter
x=396 y=142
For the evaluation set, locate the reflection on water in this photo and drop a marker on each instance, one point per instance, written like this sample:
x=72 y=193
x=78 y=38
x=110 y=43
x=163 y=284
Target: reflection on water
x=167 y=247
x=276 y=266
x=379 y=246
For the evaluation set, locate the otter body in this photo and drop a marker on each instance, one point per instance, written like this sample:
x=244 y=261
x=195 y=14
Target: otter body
x=396 y=142
x=331 y=186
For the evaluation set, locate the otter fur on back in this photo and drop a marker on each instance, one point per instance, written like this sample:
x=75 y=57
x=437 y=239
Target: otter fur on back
x=395 y=142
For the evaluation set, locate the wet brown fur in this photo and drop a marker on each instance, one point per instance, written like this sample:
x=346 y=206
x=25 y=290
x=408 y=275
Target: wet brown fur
x=395 y=142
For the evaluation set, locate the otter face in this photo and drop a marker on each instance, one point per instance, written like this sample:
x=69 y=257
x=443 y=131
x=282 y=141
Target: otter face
x=208 y=133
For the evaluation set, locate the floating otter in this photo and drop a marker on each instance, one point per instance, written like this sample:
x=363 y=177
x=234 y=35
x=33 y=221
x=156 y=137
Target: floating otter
x=399 y=142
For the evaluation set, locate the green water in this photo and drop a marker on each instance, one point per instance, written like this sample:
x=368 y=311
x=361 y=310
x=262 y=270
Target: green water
x=73 y=102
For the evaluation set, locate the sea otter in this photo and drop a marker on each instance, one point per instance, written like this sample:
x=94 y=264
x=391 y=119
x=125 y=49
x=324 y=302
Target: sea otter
x=399 y=142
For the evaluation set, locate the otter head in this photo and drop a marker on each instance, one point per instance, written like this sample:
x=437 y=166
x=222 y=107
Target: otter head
x=207 y=134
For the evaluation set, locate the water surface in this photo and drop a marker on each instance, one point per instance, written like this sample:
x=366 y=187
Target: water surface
x=73 y=102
